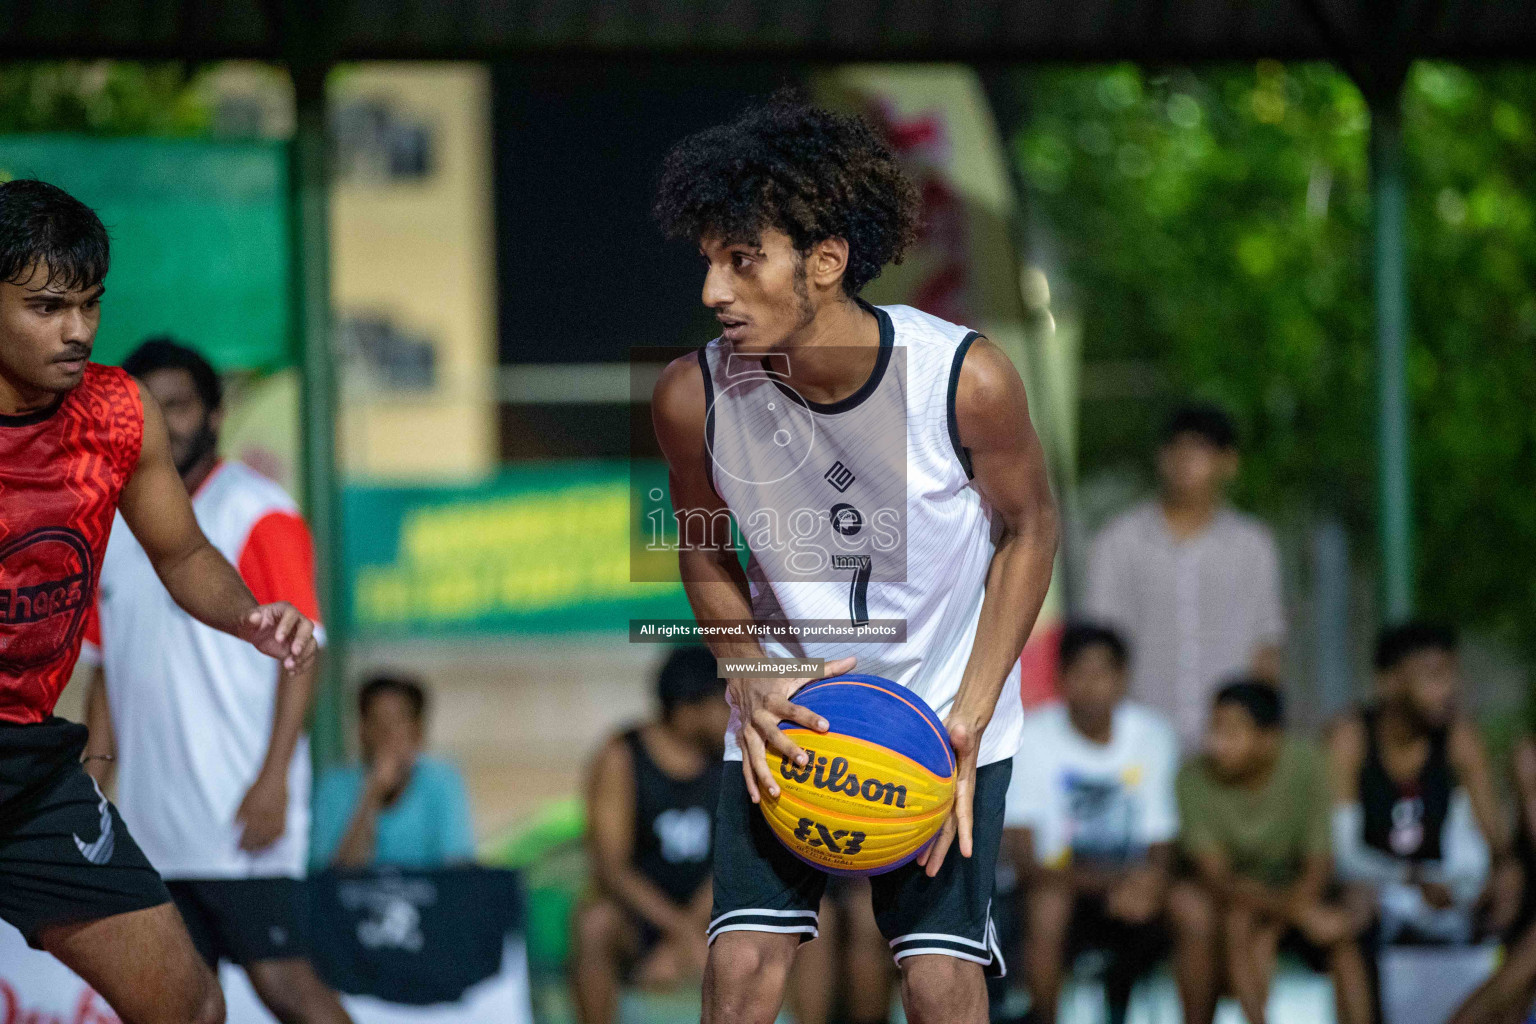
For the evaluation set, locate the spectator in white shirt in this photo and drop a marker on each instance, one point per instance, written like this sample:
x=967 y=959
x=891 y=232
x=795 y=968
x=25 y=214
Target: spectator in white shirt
x=1090 y=823
x=1192 y=584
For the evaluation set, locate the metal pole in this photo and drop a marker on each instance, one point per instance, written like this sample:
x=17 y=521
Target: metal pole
x=1388 y=248
x=309 y=239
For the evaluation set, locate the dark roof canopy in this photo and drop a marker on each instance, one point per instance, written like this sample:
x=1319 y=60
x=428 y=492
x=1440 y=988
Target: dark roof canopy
x=1355 y=32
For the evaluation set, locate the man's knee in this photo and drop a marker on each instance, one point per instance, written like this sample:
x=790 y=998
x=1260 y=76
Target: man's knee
x=937 y=988
x=598 y=928
x=746 y=975
x=209 y=1004
x=1192 y=912
x=291 y=990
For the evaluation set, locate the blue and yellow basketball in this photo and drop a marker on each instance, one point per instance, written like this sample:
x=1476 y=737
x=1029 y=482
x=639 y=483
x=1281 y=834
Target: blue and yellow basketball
x=879 y=783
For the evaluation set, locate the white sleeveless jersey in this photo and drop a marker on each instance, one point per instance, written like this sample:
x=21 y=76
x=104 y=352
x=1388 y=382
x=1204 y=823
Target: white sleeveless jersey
x=192 y=707
x=862 y=511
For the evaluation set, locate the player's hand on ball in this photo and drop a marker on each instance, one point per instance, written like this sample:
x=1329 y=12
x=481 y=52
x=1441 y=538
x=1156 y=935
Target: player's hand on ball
x=966 y=739
x=762 y=703
x=263 y=813
x=281 y=631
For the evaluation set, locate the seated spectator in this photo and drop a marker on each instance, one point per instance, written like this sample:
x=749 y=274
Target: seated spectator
x=848 y=966
x=1506 y=997
x=1414 y=811
x=1254 y=814
x=399 y=807
x=650 y=821
x=1091 y=819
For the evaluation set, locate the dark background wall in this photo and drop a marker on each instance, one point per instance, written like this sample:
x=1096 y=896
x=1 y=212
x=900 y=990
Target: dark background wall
x=583 y=272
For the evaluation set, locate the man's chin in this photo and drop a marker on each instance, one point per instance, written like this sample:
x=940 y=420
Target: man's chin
x=59 y=378
x=750 y=344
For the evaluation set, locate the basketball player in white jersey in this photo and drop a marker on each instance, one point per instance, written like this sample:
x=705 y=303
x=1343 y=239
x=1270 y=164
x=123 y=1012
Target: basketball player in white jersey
x=881 y=465
x=208 y=737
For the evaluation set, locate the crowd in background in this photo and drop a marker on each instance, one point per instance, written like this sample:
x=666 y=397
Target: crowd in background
x=1163 y=810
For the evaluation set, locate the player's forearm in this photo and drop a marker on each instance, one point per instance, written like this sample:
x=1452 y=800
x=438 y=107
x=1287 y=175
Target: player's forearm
x=295 y=690
x=1017 y=582
x=207 y=587
x=717 y=592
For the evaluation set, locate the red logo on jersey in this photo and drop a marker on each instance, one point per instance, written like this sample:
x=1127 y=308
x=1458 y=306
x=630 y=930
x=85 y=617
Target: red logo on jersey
x=45 y=581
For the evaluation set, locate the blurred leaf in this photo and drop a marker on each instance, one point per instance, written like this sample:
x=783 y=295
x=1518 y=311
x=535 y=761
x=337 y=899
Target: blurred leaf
x=1214 y=223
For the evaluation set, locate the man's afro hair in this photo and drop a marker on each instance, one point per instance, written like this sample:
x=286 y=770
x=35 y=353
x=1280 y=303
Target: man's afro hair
x=786 y=165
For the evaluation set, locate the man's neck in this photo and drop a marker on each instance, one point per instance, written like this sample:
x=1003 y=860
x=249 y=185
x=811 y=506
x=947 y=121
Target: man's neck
x=1187 y=516
x=201 y=470
x=820 y=365
x=1099 y=732
x=17 y=399
x=1397 y=728
x=1259 y=778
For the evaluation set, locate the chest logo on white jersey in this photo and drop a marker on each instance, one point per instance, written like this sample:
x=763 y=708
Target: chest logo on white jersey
x=846 y=519
x=839 y=476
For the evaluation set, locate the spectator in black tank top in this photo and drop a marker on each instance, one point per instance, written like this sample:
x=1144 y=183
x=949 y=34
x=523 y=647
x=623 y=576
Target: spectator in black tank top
x=1415 y=817
x=651 y=798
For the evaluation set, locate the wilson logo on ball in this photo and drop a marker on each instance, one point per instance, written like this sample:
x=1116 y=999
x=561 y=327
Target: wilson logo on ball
x=836 y=777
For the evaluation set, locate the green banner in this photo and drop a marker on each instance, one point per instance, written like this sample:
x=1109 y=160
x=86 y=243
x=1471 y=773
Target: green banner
x=537 y=549
x=199 y=234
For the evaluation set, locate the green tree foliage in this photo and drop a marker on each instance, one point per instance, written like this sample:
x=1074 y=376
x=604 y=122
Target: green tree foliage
x=101 y=98
x=1214 y=224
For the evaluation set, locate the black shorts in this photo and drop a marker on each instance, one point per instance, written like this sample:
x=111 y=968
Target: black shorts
x=65 y=855
x=761 y=887
x=245 y=920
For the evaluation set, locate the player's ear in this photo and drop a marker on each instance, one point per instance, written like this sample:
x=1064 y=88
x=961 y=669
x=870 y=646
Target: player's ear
x=827 y=262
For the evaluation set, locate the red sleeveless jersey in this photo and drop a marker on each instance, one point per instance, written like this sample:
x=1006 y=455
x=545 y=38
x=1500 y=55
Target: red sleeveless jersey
x=61 y=473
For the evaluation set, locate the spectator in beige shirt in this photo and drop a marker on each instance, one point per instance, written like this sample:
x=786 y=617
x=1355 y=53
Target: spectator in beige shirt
x=1193 y=584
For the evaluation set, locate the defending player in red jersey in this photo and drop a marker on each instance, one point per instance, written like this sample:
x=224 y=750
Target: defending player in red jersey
x=78 y=442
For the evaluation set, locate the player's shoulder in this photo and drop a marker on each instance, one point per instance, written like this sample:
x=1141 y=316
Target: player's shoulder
x=1141 y=518
x=1145 y=725
x=246 y=484
x=1044 y=722
x=682 y=395
x=107 y=394
x=437 y=772
x=1244 y=527
x=914 y=328
x=237 y=497
x=101 y=377
x=109 y=400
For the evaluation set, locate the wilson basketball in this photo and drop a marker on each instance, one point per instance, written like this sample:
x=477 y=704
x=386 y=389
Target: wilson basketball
x=879 y=782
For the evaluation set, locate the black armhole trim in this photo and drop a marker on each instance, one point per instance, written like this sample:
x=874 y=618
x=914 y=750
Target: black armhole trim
x=961 y=452
x=709 y=422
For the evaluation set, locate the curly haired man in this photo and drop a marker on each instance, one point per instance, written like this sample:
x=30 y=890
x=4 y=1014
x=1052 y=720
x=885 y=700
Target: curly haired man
x=882 y=466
